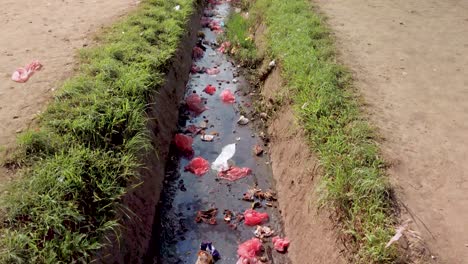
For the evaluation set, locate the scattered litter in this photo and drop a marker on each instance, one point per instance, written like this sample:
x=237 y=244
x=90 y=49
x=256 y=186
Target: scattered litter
x=177 y=8
x=198 y=166
x=221 y=162
x=263 y=231
x=193 y=129
x=234 y=173
x=228 y=97
x=196 y=69
x=256 y=205
x=243 y=120
x=184 y=143
x=228 y=216
x=397 y=236
x=208 y=247
x=197 y=53
x=212 y=71
x=268 y=195
x=204 y=257
x=257 y=150
x=207 y=138
x=272 y=64
x=224 y=47
x=280 y=244
x=248 y=251
x=209 y=89
x=22 y=75
x=235 y=80
x=253 y=218
x=238 y=138
x=264 y=115
x=203 y=125
x=195 y=104
x=208 y=216
x=237 y=10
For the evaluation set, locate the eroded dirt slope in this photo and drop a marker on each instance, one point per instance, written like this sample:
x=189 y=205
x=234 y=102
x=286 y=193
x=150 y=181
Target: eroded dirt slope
x=410 y=59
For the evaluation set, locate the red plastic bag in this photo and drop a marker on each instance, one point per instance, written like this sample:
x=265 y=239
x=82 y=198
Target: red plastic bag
x=212 y=71
x=198 y=166
x=281 y=244
x=253 y=218
x=249 y=249
x=22 y=75
x=197 y=53
x=234 y=173
x=224 y=47
x=228 y=97
x=195 y=104
x=184 y=143
x=210 y=89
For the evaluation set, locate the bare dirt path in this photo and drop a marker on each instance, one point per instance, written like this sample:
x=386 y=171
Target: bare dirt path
x=50 y=31
x=410 y=59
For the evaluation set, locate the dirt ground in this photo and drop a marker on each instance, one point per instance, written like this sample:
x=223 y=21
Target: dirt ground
x=49 y=31
x=410 y=59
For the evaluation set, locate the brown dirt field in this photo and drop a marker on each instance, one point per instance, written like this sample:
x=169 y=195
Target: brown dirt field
x=49 y=31
x=410 y=61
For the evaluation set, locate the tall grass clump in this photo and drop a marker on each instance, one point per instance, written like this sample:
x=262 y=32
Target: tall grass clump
x=75 y=167
x=354 y=183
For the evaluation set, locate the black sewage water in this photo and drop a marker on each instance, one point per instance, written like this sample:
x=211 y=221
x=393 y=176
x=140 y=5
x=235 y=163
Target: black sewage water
x=176 y=234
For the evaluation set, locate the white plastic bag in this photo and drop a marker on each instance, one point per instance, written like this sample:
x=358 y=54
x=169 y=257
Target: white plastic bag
x=221 y=162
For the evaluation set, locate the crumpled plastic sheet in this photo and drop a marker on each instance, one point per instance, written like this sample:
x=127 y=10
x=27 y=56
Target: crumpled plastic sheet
x=184 y=143
x=208 y=247
x=212 y=71
x=280 y=244
x=227 y=97
x=198 y=166
x=197 y=53
x=224 y=47
x=234 y=173
x=248 y=251
x=210 y=89
x=22 y=75
x=253 y=218
x=195 y=104
x=196 y=69
x=221 y=162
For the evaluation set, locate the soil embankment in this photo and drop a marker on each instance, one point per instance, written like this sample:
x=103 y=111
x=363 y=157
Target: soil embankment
x=409 y=60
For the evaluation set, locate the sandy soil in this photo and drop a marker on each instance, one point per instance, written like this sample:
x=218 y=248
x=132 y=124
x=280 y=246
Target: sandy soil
x=50 y=31
x=410 y=60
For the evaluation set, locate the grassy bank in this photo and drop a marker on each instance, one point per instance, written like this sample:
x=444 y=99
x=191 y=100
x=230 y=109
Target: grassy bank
x=354 y=183
x=84 y=154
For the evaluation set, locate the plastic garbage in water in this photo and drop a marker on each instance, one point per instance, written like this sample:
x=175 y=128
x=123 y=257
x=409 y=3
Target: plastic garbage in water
x=204 y=257
x=243 y=120
x=227 y=97
x=263 y=231
x=196 y=69
x=195 y=104
x=208 y=247
x=22 y=75
x=209 y=89
x=208 y=216
x=253 y=218
x=197 y=53
x=248 y=251
x=280 y=244
x=224 y=47
x=212 y=71
x=221 y=162
x=205 y=21
x=234 y=173
x=184 y=143
x=207 y=138
x=198 y=166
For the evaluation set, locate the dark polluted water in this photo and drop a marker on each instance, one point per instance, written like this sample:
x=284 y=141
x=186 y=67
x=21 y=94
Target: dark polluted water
x=176 y=235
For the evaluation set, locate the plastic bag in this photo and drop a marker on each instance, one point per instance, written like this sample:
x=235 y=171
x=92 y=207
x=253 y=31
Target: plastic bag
x=221 y=162
x=253 y=218
x=198 y=166
x=195 y=104
x=209 y=89
x=228 y=97
x=248 y=250
x=184 y=143
x=197 y=53
x=280 y=244
x=212 y=71
x=22 y=75
x=234 y=173
x=224 y=47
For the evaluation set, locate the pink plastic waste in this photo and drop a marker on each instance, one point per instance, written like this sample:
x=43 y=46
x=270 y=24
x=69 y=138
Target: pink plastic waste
x=249 y=250
x=234 y=173
x=212 y=71
x=22 y=75
x=210 y=89
x=197 y=53
x=224 y=47
x=184 y=143
x=280 y=244
x=195 y=104
x=198 y=166
x=253 y=218
x=227 y=97
x=205 y=21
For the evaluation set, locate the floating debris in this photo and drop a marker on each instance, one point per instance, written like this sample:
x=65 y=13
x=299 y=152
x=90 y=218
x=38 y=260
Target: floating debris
x=208 y=216
x=243 y=120
x=263 y=231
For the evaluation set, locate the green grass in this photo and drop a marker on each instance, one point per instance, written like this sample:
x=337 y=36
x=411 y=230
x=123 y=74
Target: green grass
x=354 y=181
x=84 y=155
